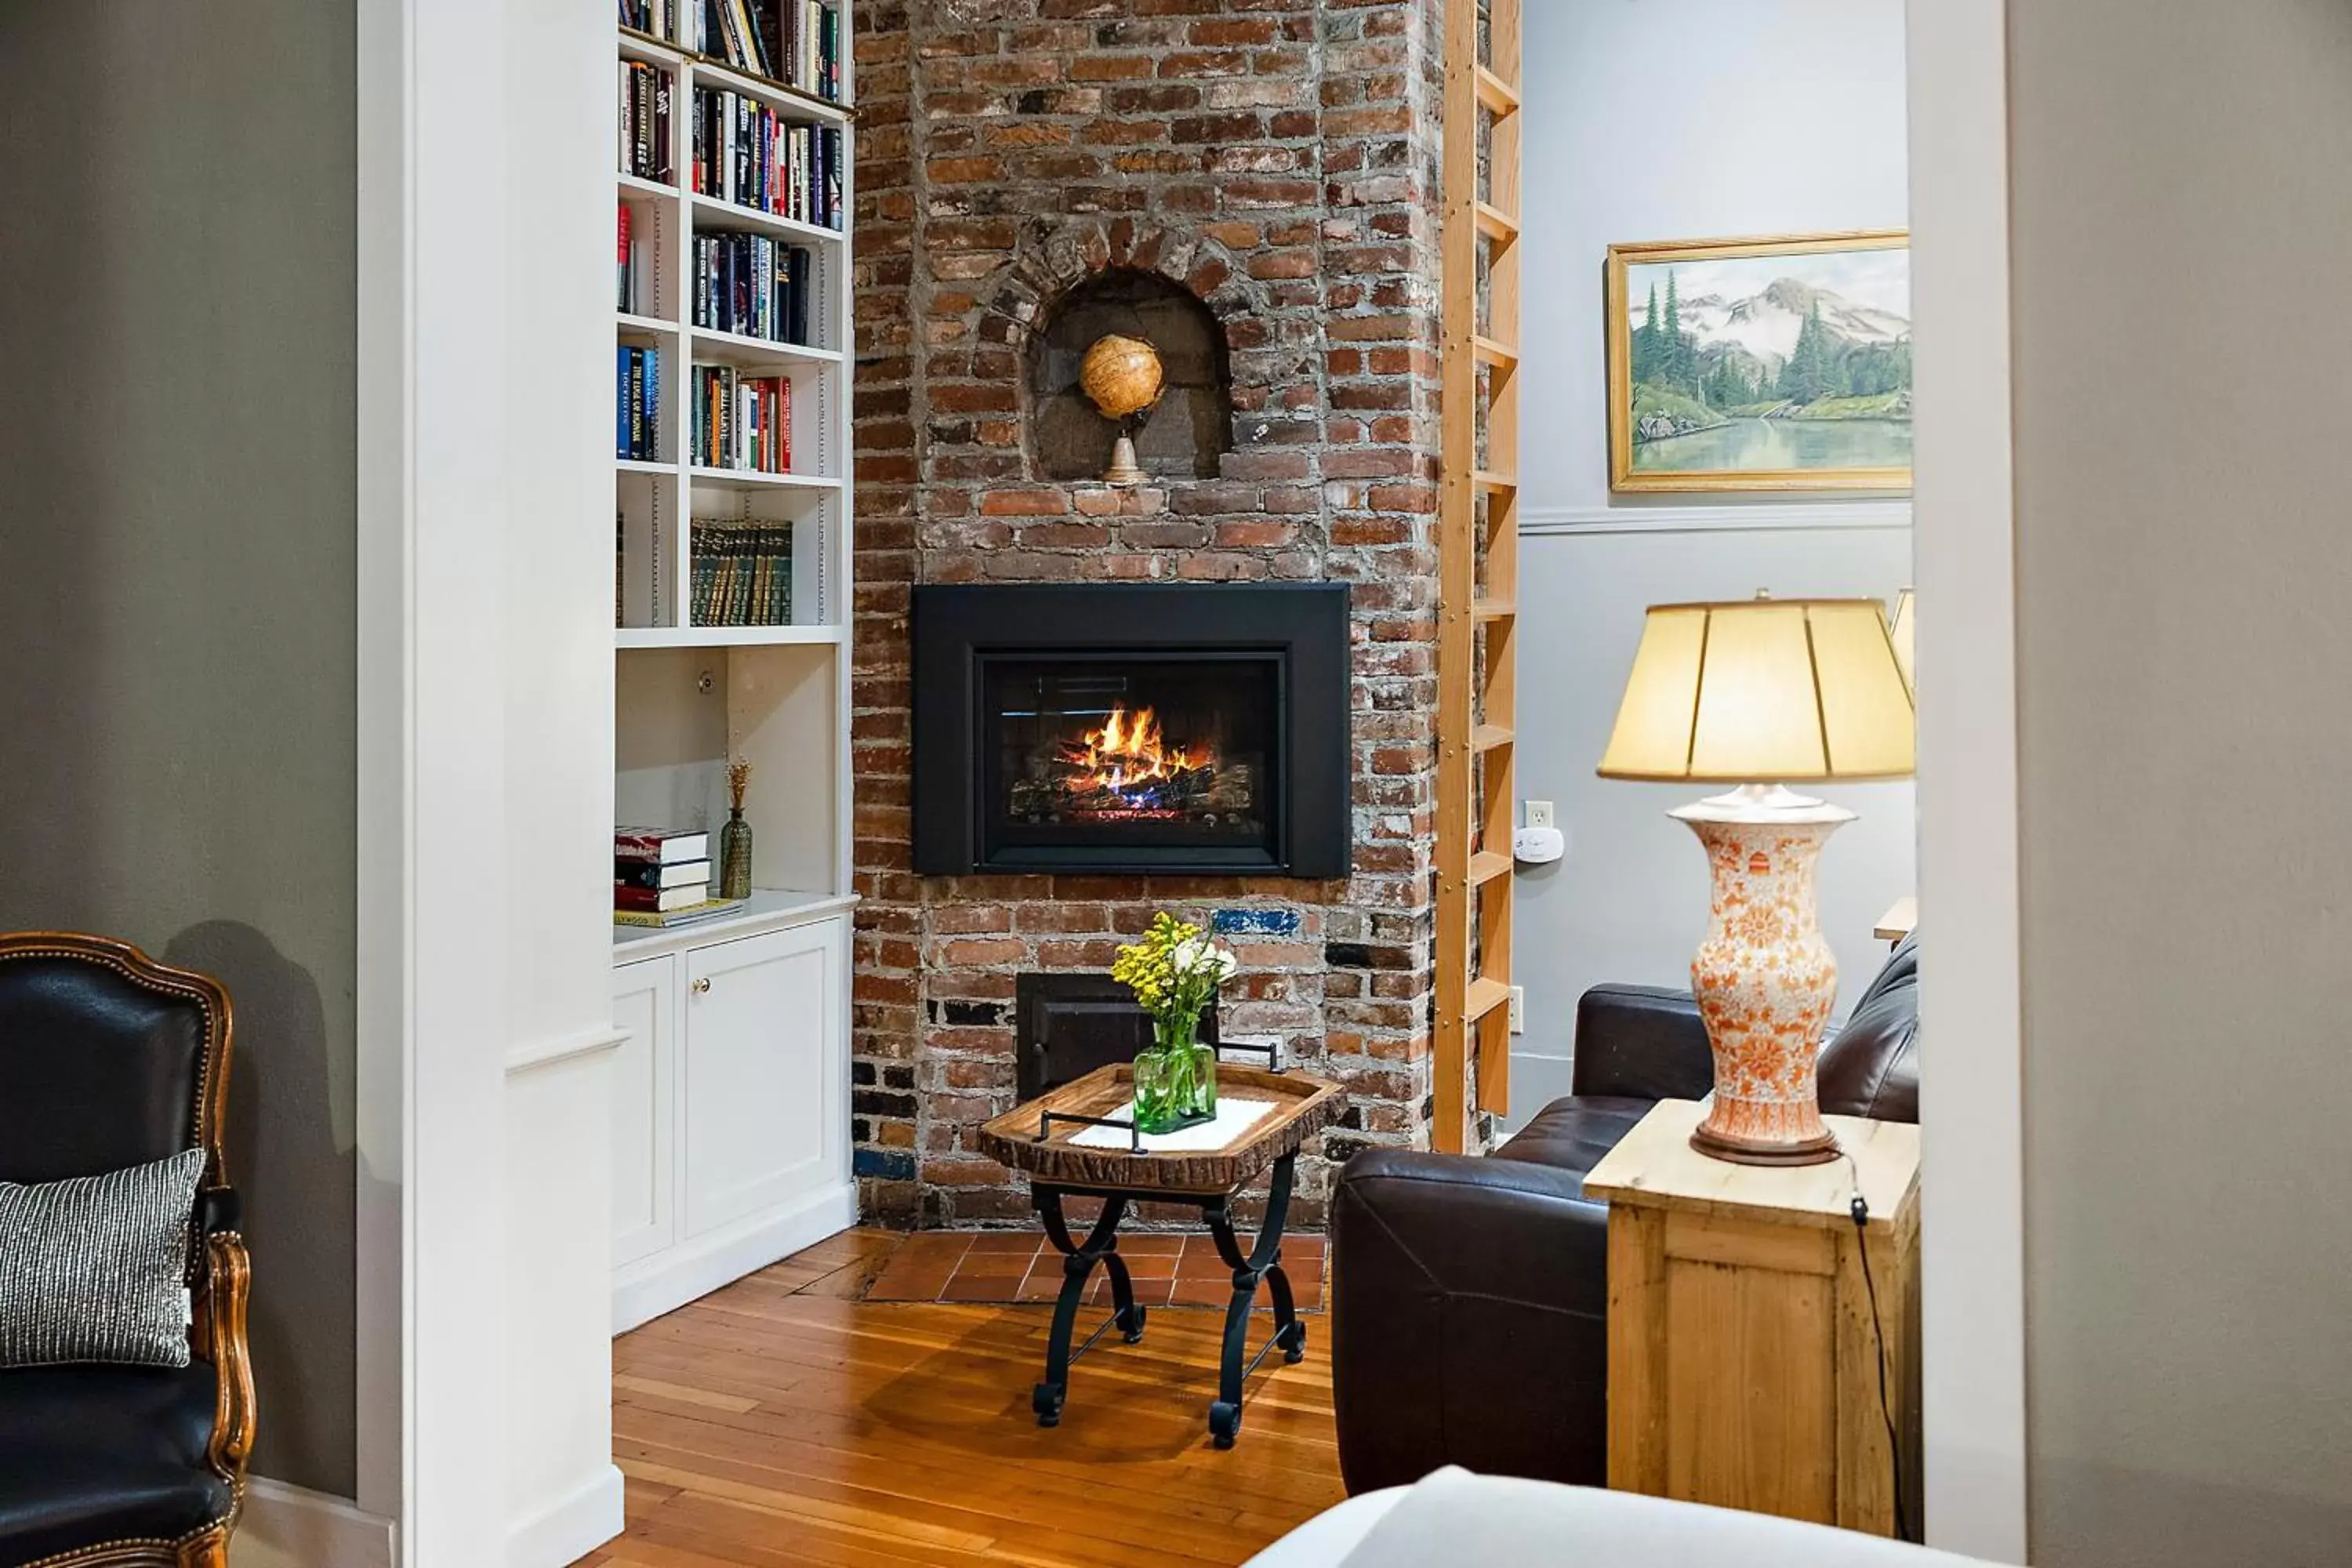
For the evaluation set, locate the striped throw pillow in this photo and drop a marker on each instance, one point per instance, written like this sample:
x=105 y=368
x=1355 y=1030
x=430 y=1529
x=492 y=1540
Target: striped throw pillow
x=95 y=1268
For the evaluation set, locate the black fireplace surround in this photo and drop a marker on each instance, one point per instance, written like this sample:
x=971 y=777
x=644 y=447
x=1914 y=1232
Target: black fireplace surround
x=1183 y=728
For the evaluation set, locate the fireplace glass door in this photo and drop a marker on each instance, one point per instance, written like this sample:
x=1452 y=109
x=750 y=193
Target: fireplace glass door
x=1172 y=756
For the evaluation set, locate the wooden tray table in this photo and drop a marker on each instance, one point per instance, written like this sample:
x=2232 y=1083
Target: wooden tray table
x=1033 y=1138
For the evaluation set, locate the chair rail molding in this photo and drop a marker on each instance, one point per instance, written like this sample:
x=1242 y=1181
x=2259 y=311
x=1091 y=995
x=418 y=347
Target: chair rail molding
x=1723 y=517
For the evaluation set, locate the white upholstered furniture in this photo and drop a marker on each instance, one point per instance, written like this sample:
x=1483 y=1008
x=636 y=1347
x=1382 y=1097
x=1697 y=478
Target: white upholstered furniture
x=1454 y=1516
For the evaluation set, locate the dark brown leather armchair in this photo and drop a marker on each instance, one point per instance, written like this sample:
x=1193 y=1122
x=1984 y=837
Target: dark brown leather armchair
x=1471 y=1296
x=109 y=1059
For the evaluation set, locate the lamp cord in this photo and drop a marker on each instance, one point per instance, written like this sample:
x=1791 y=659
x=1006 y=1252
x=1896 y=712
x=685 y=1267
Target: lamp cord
x=1860 y=1209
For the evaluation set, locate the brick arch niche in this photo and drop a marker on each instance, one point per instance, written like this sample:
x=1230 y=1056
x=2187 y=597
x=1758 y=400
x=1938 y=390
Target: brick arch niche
x=1182 y=435
x=1196 y=302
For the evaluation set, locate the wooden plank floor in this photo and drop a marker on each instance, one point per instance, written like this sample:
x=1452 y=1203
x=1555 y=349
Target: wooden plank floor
x=784 y=1421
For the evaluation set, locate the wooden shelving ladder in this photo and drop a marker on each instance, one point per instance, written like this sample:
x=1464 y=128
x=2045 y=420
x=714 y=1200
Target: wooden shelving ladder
x=1475 y=795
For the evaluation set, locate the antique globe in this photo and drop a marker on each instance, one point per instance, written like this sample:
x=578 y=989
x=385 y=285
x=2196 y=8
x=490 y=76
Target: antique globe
x=1120 y=375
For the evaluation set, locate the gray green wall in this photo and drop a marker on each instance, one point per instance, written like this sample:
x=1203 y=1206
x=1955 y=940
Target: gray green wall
x=176 y=559
x=2182 y=189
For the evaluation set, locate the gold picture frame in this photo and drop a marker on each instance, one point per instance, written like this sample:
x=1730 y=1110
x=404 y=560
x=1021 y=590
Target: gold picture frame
x=1727 y=398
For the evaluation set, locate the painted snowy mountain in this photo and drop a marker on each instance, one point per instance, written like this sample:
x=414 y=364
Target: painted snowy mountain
x=1764 y=326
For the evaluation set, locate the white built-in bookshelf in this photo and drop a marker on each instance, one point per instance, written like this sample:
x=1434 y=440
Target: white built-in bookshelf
x=730 y=1138
x=703 y=677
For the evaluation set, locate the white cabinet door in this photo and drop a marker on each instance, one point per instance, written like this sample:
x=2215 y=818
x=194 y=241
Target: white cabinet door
x=762 y=1088
x=645 y=1078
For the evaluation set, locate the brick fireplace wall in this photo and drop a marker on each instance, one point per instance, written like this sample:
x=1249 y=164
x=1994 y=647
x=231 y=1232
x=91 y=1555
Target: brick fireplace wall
x=1278 y=158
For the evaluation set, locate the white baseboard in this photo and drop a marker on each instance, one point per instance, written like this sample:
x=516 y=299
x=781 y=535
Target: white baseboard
x=668 y=1280
x=572 y=1528
x=292 y=1527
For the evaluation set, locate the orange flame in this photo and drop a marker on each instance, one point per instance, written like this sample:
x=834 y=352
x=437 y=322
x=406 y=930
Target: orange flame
x=1126 y=750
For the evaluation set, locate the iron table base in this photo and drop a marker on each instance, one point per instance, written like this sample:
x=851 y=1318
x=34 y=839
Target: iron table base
x=1262 y=1263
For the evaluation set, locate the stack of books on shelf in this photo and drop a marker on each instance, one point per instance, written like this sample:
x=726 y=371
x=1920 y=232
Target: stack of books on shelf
x=657 y=17
x=636 y=391
x=753 y=286
x=645 y=123
x=747 y=153
x=743 y=573
x=796 y=42
x=661 y=878
x=742 y=422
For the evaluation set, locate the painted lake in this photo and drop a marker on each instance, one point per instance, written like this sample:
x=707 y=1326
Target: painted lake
x=1756 y=446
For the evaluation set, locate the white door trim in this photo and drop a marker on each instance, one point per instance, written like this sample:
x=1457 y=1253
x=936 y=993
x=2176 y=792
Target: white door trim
x=1972 y=1185
x=433 y=398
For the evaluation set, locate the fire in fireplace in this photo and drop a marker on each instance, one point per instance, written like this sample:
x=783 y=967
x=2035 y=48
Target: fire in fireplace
x=1132 y=728
x=1160 y=742
x=1125 y=770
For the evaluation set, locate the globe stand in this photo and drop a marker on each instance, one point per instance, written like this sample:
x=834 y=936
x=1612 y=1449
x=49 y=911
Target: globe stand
x=1124 y=470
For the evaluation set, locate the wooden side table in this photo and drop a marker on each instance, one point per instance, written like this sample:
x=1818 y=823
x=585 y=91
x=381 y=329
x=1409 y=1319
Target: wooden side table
x=1745 y=1345
x=1038 y=1137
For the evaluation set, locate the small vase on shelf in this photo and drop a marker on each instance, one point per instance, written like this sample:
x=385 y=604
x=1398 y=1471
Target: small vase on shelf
x=735 y=838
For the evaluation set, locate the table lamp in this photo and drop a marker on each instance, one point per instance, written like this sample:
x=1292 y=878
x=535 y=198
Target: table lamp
x=1759 y=694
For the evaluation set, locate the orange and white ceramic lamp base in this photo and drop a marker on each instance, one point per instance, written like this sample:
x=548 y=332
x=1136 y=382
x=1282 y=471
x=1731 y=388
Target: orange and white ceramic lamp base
x=1765 y=978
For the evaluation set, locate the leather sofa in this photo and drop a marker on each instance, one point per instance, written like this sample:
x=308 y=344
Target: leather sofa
x=1471 y=1296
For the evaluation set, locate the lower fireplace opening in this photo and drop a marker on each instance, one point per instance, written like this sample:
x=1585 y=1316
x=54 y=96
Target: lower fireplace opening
x=1130 y=728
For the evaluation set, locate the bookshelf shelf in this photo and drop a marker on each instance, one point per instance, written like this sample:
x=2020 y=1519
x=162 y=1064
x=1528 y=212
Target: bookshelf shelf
x=637 y=186
x=711 y=347
x=752 y=479
x=789 y=100
x=712 y=212
x=647 y=326
x=639 y=466
x=728 y=636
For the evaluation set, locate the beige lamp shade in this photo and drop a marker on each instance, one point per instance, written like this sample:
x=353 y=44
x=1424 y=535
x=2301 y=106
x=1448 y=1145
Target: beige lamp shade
x=1763 y=691
x=1900 y=632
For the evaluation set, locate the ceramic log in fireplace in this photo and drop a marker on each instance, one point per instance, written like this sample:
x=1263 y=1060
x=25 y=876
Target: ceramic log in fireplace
x=1132 y=728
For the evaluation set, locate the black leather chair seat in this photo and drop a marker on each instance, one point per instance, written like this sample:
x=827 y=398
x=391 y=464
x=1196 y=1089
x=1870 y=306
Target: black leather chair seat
x=91 y=1454
x=1572 y=1132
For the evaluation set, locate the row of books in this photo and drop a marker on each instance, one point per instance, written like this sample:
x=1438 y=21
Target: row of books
x=743 y=573
x=661 y=878
x=742 y=421
x=653 y=17
x=796 y=42
x=745 y=152
x=754 y=286
x=636 y=391
x=645 y=123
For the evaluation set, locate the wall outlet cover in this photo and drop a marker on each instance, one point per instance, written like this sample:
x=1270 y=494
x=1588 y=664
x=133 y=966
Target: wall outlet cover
x=1540 y=814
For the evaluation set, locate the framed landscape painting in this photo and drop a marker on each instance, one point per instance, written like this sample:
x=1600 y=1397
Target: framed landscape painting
x=1760 y=364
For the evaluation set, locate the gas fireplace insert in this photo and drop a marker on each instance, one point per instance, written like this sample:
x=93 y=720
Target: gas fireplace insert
x=1132 y=728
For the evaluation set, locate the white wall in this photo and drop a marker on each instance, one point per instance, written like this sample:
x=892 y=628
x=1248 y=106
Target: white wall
x=1609 y=161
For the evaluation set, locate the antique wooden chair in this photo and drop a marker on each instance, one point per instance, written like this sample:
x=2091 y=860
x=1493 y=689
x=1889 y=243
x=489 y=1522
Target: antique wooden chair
x=109 y=1059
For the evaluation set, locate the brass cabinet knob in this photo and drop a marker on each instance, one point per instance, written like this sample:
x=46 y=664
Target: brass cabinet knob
x=702 y=986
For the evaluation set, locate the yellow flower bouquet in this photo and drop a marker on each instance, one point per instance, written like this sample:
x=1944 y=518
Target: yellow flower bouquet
x=1175 y=971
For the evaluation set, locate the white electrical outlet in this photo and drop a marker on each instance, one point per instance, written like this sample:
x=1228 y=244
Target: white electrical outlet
x=1540 y=814
x=1518 y=1009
